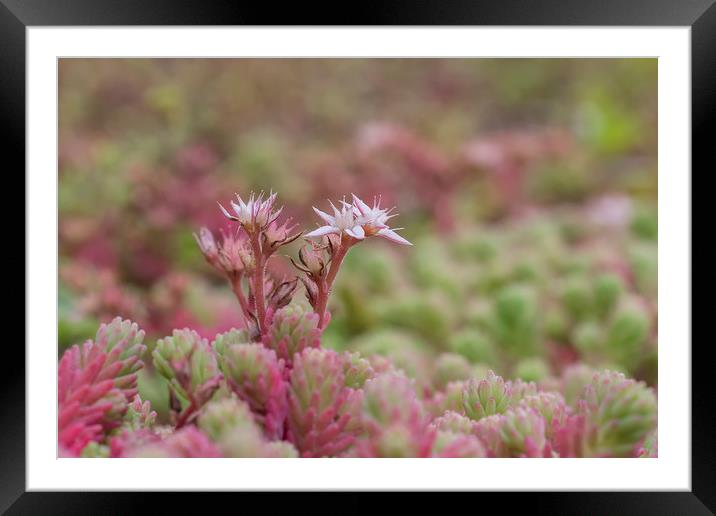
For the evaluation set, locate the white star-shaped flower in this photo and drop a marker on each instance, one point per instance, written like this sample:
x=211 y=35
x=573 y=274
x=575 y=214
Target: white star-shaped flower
x=254 y=213
x=342 y=221
x=374 y=220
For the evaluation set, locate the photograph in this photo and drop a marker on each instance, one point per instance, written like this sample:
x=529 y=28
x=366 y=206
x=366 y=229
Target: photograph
x=357 y=258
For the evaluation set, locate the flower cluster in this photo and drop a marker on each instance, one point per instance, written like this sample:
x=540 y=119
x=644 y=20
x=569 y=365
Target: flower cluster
x=244 y=254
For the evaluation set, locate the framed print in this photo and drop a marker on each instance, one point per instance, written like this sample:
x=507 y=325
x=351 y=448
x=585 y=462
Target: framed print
x=420 y=253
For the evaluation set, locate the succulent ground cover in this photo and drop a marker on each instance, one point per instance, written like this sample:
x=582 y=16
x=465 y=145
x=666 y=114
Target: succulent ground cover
x=515 y=315
x=271 y=389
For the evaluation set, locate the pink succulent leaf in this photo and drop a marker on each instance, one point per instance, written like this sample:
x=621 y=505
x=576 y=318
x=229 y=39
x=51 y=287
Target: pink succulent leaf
x=95 y=383
x=396 y=422
x=457 y=445
x=188 y=442
x=255 y=375
x=123 y=443
x=231 y=425
x=292 y=330
x=188 y=363
x=323 y=414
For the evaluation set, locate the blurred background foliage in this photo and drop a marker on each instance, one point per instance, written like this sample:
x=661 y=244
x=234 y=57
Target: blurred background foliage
x=528 y=186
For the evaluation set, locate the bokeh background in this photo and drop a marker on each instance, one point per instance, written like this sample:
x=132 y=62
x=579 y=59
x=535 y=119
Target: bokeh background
x=528 y=187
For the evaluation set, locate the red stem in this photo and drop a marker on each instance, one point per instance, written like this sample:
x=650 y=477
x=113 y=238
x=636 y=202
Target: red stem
x=258 y=281
x=184 y=416
x=324 y=288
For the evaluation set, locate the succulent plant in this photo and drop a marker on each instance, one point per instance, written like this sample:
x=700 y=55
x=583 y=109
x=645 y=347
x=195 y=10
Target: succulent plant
x=451 y=367
x=486 y=397
x=489 y=431
x=188 y=442
x=396 y=422
x=230 y=424
x=139 y=415
x=549 y=405
x=650 y=447
x=292 y=330
x=546 y=313
x=189 y=364
x=574 y=379
x=96 y=382
x=356 y=370
x=453 y=422
x=457 y=445
x=620 y=413
x=256 y=376
x=523 y=432
x=323 y=416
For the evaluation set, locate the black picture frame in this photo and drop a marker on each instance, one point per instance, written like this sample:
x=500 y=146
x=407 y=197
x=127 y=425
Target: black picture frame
x=17 y=15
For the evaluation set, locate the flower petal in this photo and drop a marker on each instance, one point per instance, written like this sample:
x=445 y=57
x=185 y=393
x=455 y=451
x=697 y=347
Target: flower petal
x=391 y=235
x=352 y=208
x=356 y=232
x=336 y=213
x=325 y=216
x=362 y=207
x=238 y=209
x=323 y=230
x=226 y=213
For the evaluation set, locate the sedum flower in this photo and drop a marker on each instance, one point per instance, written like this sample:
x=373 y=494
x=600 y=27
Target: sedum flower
x=207 y=245
x=373 y=220
x=342 y=222
x=282 y=294
x=312 y=261
x=254 y=215
x=232 y=256
x=275 y=236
